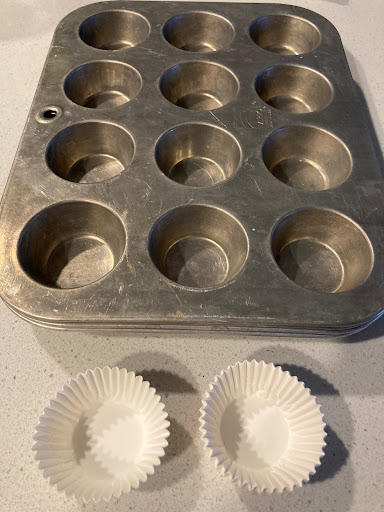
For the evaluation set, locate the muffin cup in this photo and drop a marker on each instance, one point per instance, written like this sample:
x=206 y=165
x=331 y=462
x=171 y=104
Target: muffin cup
x=262 y=427
x=102 y=435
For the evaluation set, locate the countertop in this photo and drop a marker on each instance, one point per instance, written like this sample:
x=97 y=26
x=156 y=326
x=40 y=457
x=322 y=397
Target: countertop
x=345 y=374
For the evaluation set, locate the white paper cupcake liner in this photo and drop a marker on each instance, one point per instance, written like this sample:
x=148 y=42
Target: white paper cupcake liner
x=262 y=427
x=102 y=435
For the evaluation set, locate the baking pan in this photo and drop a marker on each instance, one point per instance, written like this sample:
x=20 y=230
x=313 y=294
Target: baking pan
x=195 y=166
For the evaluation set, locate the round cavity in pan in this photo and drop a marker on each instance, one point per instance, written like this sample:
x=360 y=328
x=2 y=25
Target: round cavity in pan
x=199 y=85
x=71 y=244
x=292 y=88
x=307 y=158
x=322 y=250
x=197 y=155
x=199 y=32
x=90 y=152
x=198 y=246
x=102 y=84
x=114 y=30
x=285 y=34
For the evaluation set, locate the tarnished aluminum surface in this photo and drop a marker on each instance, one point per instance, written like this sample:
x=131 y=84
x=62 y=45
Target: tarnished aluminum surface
x=195 y=166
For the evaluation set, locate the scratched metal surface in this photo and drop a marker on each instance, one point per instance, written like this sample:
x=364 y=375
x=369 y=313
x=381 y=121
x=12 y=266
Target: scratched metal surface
x=135 y=295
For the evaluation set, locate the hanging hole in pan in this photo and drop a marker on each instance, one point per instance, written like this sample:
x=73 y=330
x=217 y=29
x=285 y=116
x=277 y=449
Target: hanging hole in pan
x=48 y=114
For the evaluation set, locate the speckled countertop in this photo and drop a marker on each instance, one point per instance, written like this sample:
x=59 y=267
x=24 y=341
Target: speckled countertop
x=345 y=374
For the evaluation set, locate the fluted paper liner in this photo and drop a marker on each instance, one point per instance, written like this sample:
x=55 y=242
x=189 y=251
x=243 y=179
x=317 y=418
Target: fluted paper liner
x=262 y=427
x=102 y=435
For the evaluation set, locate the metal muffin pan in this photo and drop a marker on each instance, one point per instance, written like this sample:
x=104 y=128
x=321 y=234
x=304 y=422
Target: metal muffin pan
x=195 y=166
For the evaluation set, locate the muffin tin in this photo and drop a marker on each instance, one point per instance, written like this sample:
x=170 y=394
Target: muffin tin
x=195 y=166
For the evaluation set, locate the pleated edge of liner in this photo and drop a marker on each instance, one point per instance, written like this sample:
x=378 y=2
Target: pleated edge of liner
x=62 y=391
x=225 y=472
